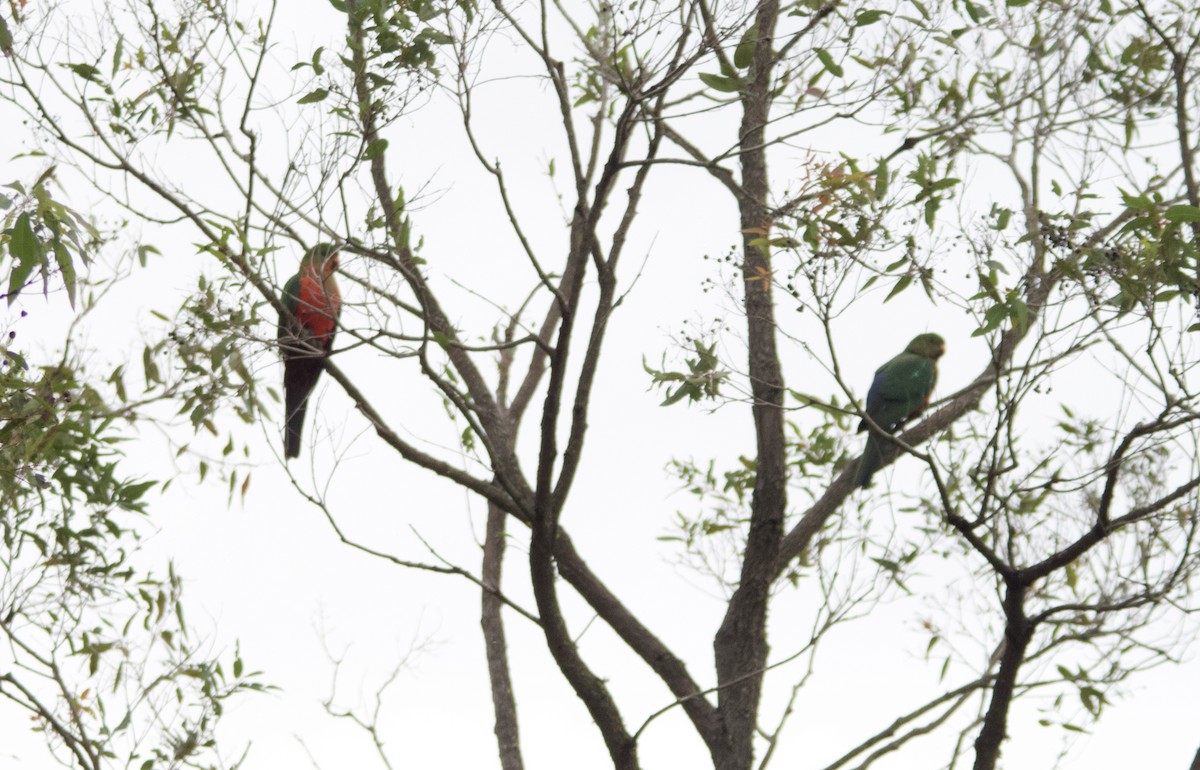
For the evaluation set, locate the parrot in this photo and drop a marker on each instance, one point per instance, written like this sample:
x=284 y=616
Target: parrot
x=899 y=392
x=312 y=303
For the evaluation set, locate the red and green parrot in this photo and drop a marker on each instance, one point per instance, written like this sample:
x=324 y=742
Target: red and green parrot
x=306 y=332
x=899 y=392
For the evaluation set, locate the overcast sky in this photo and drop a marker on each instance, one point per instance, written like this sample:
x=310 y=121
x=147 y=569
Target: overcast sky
x=268 y=573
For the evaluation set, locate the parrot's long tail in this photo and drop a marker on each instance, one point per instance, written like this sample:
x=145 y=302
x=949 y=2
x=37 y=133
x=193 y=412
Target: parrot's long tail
x=299 y=378
x=871 y=458
x=295 y=423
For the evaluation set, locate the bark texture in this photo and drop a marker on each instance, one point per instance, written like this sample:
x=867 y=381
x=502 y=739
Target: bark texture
x=503 y=703
x=741 y=645
x=1018 y=630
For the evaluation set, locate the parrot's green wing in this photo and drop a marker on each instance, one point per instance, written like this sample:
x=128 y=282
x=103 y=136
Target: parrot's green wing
x=904 y=385
x=291 y=293
x=900 y=390
x=290 y=298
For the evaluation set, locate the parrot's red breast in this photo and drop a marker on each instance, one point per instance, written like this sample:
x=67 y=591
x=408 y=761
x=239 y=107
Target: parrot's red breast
x=318 y=306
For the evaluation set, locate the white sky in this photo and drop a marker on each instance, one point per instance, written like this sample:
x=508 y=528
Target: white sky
x=269 y=573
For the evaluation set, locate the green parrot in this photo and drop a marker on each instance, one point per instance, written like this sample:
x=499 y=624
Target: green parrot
x=306 y=332
x=899 y=392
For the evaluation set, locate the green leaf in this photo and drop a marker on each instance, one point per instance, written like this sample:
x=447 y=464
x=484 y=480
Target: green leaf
x=830 y=65
x=863 y=18
x=743 y=55
x=1179 y=214
x=727 y=68
x=977 y=13
x=720 y=82
x=1139 y=202
x=437 y=37
x=887 y=564
x=1020 y=313
x=135 y=492
x=881 y=179
x=375 y=149
x=686 y=389
x=85 y=71
x=313 y=97
x=117 y=53
x=6 y=38
x=145 y=250
x=25 y=248
x=63 y=258
x=23 y=243
x=900 y=286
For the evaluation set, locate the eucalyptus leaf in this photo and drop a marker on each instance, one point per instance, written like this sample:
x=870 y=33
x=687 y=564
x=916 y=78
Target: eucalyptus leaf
x=743 y=55
x=832 y=67
x=375 y=149
x=720 y=82
x=26 y=250
x=1179 y=214
x=314 y=96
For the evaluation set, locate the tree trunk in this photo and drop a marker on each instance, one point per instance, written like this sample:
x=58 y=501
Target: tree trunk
x=505 y=706
x=1017 y=633
x=741 y=644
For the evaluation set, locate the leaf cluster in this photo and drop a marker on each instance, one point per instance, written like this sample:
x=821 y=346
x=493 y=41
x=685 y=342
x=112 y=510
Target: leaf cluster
x=42 y=237
x=702 y=380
